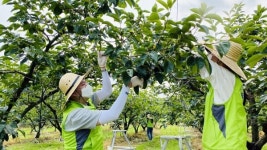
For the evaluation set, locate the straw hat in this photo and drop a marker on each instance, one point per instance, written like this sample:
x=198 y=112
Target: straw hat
x=231 y=58
x=148 y=116
x=69 y=82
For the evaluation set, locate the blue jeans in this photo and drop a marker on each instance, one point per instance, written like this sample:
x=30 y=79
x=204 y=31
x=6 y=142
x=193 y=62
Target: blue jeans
x=149 y=132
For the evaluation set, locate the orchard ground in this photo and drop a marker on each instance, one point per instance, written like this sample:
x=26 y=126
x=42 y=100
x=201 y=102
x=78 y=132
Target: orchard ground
x=50 y=139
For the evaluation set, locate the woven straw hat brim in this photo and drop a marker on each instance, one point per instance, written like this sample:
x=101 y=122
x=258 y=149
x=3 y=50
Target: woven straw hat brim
x=228 y=62
x=79 y=80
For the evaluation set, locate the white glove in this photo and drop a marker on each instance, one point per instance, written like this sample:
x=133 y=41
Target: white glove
x=102 y=59
x=137 y=81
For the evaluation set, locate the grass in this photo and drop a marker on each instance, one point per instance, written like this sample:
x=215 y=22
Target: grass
x=37 y=146
x=50 y=139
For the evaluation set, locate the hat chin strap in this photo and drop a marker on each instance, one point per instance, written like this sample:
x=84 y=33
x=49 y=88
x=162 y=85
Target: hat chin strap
x=216 y=60
x=220 y=63
x=73 y=83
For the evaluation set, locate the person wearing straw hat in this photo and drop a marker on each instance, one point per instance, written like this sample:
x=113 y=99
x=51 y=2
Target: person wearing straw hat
x=149 y=127
x=225 y=124
x=81 y=124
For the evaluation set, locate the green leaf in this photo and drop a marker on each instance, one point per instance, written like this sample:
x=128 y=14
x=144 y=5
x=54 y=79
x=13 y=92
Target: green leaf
x=57 y=9
x=128 y=64
x=159 y=77
x=168 y=66
x=194 y=69
x=2 y=126
x=10 y=52
x=189 y=38
x=214 y=16
x=202 y=10
x=163 y=3
x=192 y=17
x=61 y=24
x=170 y=3
x=130 y=2
x=200 y=62
x=190 y=61
x=166 y=15
x=201 y=51
x=69 y=2
x=5 y=1
x=116 y=17
x=143 y=59
x=154 y=8
x=92 y=19
x=186 y=27
x=174 y=32
x=153 y=17
x=141 y=71
x=3 y=109
x=252 y=61
x=223 y=47
x=195 y=63
x=126 y=78
x=104 y=8
x=122 y=4
x=10 y=130
x=197 y=11
x=264 y=51
x=255 y=37
x=203 y=28
x=14 y=124
x=154 y=56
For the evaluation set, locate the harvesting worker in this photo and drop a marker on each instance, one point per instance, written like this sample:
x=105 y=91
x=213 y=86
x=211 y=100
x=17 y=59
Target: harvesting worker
x=225 y=124
x=149 y=127
x=81 y=124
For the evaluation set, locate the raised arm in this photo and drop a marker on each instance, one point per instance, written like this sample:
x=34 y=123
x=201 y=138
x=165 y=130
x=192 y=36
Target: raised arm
x=106 y=89
x=117 y=107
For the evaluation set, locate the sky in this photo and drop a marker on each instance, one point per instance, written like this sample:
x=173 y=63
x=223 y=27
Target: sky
x=178 y=12
x=183 y=8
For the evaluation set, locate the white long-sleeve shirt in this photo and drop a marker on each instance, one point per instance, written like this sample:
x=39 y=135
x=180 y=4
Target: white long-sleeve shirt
x=221 y=79
x=84 y=118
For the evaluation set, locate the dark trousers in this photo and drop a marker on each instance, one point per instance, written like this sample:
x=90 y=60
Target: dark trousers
x=149 y=132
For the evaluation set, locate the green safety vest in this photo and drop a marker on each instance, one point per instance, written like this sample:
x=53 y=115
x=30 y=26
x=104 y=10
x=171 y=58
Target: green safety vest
x=149 y=123
x=86 y=139
x=225 y=126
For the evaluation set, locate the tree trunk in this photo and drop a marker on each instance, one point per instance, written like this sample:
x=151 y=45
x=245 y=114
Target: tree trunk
x=263 y=139
x=54 y=122
x=252 y=119
x=37 y=136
